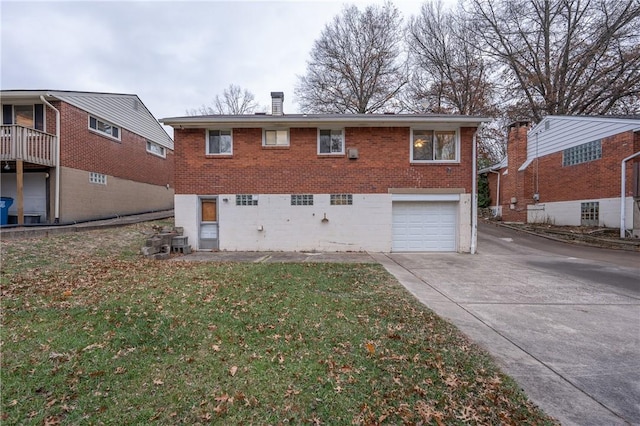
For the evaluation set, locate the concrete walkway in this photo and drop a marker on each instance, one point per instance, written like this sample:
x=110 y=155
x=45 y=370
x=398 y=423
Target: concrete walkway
x=572 y=345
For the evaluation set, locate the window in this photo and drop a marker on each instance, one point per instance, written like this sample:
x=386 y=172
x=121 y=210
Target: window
x=219 y=142
x=302 y=200
x=31 y=116
x=590 y=213
x=104 y=127
x=341 y=199
x=276 y=138
x=330 y=141
x=582 y=153
x=156 y=149
x=434 y=145
x=98 y=178
x=246 y=200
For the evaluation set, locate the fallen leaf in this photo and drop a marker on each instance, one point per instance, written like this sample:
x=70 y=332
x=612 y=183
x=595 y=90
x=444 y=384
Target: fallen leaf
x=158 y=382
x=370 y=348
x=233 y=370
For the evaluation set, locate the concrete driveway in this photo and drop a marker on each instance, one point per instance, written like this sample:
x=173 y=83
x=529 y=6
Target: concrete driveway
x=566 y=327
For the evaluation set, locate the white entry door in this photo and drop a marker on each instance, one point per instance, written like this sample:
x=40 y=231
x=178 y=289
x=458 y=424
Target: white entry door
x=425 y=226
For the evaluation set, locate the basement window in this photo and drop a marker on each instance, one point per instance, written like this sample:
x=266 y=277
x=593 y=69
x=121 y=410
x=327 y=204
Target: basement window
x=97 y=178
x=104 y=128
x=590 y=213
x=302 y=199
x=246 y=200
x=341 y=199
x=584 y=153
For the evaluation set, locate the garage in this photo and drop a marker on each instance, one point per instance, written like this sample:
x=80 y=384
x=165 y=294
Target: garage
x=425 y=226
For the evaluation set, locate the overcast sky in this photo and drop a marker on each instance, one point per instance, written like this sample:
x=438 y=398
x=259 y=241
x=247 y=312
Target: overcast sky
x=175 y=55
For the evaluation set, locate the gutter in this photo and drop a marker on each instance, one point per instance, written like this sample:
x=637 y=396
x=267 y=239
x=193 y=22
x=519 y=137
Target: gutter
x=623 y=191
x=57 y=196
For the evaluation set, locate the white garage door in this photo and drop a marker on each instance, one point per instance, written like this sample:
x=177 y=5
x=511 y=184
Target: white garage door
x=424 y=226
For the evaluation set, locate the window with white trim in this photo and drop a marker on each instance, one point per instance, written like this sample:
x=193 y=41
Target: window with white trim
x=219 y=142
x=277 y=137
x=330 y=141
x=582 y=153
x=341 y=199
x=302 y=199
x=98 y=178
x=156 y=149
x=246 y=200
x=104 y=127
x=434 y=146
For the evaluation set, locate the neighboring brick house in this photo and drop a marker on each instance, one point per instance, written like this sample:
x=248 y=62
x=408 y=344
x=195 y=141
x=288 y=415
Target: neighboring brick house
x=343 y=182
x=567 y=170
x=114 y=157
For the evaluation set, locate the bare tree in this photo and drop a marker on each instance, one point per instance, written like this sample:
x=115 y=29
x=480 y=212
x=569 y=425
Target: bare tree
x=565 y=56
x=449 y=72
x=234 y=101
x=356 y=65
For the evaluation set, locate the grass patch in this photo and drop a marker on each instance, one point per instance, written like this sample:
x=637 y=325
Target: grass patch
x=118 y=339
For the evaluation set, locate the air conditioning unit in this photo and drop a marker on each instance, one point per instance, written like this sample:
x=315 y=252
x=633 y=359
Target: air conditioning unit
x=352 y=153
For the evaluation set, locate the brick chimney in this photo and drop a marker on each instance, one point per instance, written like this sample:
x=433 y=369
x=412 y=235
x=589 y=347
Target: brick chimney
x=277 y=99
x=513 y=200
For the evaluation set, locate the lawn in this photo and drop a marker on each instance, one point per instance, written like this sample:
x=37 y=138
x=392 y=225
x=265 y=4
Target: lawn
x=92 y=333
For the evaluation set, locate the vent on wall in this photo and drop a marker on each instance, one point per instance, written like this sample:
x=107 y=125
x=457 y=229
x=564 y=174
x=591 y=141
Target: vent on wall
x=352 y=153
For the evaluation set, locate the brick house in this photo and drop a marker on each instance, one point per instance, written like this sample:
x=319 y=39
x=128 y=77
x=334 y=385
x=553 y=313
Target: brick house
x=71 y=156
x=342 y=182
x=568 y=170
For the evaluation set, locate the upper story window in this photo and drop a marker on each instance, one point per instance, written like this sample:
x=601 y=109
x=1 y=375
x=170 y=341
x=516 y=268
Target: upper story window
x=330 y=141
x=104 y=128
x=219 y=142
x=31 y=116
x=434 y=146
x=582 y=153
x=276 y=137
x=156 y=149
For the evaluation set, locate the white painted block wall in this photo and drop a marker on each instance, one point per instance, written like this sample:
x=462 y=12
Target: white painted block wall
x=274 y=224
x=568 y=212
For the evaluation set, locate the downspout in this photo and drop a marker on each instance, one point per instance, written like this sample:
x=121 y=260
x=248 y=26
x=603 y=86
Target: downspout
x=623 y=191
x=57 y=195
x=474 y=195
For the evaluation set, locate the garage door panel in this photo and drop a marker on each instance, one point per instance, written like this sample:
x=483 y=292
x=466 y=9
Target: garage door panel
x=424 y=226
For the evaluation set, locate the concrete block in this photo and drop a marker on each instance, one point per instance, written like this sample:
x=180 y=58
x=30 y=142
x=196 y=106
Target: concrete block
x=161 y=256
x=149 y=251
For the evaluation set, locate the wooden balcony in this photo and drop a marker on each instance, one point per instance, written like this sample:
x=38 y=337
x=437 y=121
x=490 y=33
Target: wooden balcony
x=29 y=145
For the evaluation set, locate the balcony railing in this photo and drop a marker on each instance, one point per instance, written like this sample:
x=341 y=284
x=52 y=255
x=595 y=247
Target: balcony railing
x=30 y=145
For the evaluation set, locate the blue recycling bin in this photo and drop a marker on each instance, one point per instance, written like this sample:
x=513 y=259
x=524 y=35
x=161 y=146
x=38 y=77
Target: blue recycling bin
x=5 y=203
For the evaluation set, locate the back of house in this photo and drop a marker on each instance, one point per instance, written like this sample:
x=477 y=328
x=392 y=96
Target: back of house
x=330 y=182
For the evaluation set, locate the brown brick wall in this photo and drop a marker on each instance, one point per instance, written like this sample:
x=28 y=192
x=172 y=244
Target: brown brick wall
x=593 y=179
x=383 y=163
x=126 y=159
